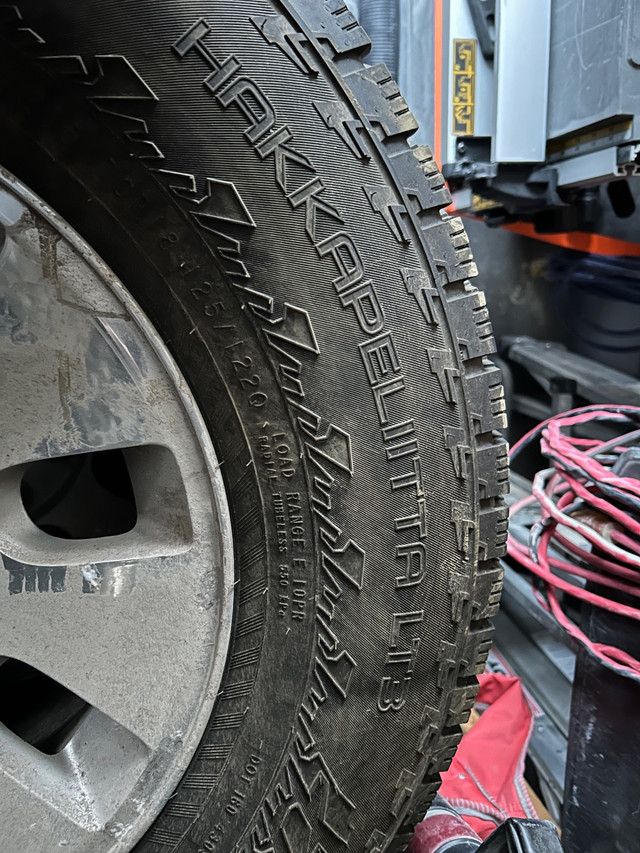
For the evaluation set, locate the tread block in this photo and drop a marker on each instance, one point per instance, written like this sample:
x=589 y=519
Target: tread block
x=420 y=285
x=486 y=596
x=443 y=752
x=457 y=444
x=476 y=650
x=460 y=592
x=449 y=249
x=494 y=526
x=462 y=518
x=339 y=117
x=448 y=666
x=331 y=20
x=376 y=843
x=486 y=398
x=470 y=321
x=110 y=77
x=384 y=201
x=424 y=183
x=462 y=699
x=493 y=468
x=419 y=805
x=11 y=18
x=379 y=96
x=405 y=786
x=277 y=30
x=430 y=730
x=118 y=91
x=443 y=364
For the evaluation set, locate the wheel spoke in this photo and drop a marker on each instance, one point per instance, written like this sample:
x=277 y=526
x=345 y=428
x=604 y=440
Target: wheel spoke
x=41 y=816
x=70 y=798
x=128 y=618
x=77 y=375
x=61 y=377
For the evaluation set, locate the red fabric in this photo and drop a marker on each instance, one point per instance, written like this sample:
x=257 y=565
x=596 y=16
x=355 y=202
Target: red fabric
x=485 y=782
x=438 y=830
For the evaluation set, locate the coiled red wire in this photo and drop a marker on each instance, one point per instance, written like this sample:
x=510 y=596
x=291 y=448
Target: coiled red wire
x=599 y=509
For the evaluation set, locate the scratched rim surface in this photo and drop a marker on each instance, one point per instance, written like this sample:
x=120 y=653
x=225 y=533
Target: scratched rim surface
x=135 y=624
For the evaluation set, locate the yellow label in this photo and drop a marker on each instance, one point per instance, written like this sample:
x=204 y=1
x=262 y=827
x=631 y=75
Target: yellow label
x=464 y=86
x=589 y=137
x=479 y=203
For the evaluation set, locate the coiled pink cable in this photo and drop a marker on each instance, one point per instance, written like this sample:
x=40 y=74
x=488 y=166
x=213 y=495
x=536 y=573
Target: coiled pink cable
x=598 y=509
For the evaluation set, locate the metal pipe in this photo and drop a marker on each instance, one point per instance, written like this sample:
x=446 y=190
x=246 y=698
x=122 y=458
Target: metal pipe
x=380 y=19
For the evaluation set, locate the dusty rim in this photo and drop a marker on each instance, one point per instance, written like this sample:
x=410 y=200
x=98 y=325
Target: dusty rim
x=120 y=638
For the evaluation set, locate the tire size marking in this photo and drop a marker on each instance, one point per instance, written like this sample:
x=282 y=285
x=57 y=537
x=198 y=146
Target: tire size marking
x=249 y=382
x=243 y=365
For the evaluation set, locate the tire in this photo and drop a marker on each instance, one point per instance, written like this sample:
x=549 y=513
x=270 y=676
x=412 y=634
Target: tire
x=250 y=182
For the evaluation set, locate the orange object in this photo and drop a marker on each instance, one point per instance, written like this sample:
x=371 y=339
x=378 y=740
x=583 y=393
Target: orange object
x=581 y=241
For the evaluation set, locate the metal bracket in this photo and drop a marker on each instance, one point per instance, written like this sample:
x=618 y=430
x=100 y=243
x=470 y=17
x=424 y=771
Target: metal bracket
x=547 y=361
